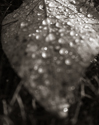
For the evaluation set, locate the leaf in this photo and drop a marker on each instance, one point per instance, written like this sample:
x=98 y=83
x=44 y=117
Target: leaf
x=50 y=44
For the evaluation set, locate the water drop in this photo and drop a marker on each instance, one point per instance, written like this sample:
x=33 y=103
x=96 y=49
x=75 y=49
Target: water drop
x=89 y=15
x=69 y=23
x=37 y=37
x=58 y=24
x=38 y=14
x=62 y=30
x=62 y=34
x=63 y=51
x=67 y=62
x=33 y=55
x=15 y=15
x=72 y=33
x=41 y=7
x=67 y=10
x=45 y=48
x=46 y=22
x=86 y=27
x=71 y=44
x=61 y=41
x=26 y=7
x=81 y=15
x=51 y=4
x=45 y=28
x=50 y=37
x=58 y=17
x=57 y=47
x=23 y=24
x=40 y=27
x=37 y=31
x=30 y=35
x=31 y=48
x=83 y=10
x=36 y=67
x=65 y=110
x=40 y=70
x=71 y=16
x=47 y=82
x=44 y=54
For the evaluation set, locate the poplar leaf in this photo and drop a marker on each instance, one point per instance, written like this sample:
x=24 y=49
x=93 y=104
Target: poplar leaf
x=50 y=44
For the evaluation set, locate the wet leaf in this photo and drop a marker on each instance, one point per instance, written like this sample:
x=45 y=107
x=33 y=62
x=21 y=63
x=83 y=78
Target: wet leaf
x=50 y=44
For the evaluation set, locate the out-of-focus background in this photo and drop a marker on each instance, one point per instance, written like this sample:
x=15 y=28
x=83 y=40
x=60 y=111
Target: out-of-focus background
x=26 y=111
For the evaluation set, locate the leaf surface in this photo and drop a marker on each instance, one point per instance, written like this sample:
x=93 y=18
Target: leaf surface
x=50 y=44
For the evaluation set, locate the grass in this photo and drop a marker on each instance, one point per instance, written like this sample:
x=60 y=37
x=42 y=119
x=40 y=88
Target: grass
x=24 y=109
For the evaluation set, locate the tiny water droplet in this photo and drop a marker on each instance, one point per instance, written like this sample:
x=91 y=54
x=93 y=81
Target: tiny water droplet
x=23 y=24
x=50 y=37
x=58 y=25
x=65 y=110
x=69 y=23
x=41 y=7
x=61 y=41
x=40 y=70
x=37 y=37
x=51 y=4
x=63 y=51
x=71 y=44
x=33 y=55
x=89 y=15
x=38 y=14
x=58 y=17
x=72 y=33
x=44 y=54
x=67 y=62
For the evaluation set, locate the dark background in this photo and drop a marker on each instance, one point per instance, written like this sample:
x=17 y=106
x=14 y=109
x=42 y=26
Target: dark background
x=89 y=111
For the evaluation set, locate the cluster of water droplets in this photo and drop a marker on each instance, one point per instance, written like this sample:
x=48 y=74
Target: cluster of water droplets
x=68 y=30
